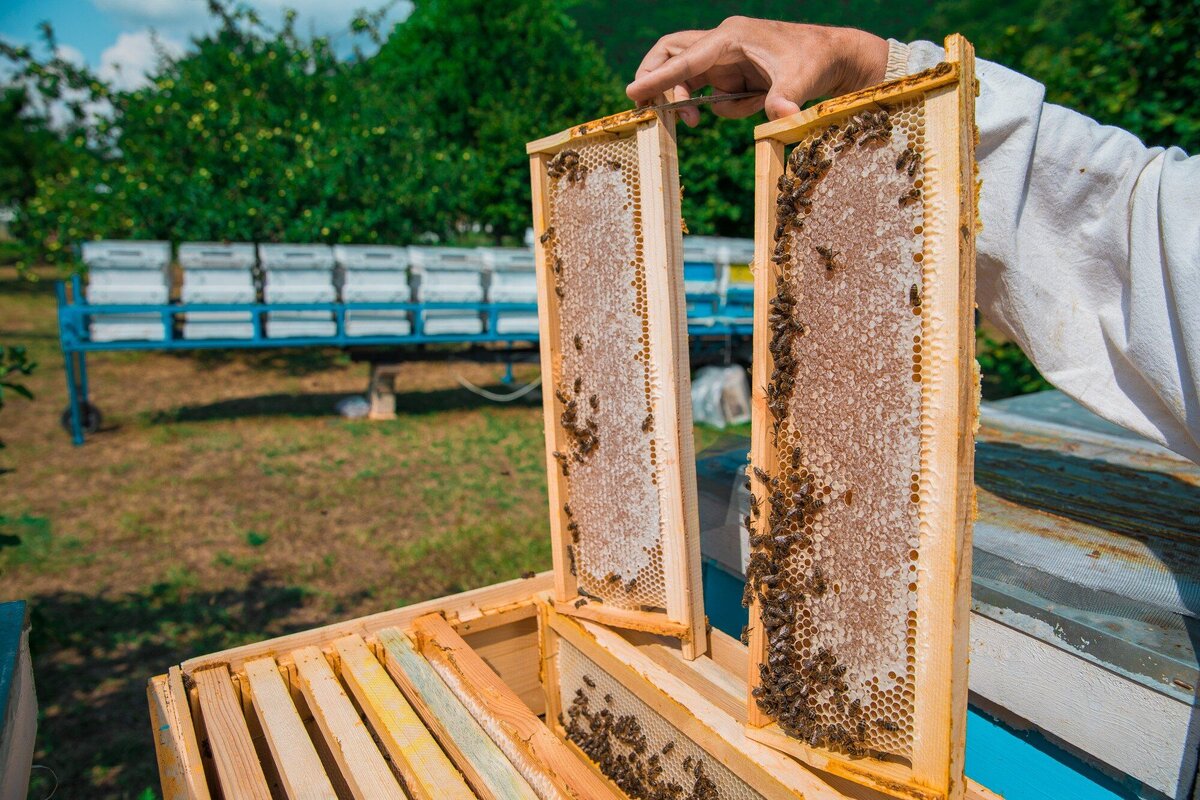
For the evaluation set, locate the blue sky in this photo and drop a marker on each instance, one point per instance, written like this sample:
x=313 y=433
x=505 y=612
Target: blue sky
x=117 y=37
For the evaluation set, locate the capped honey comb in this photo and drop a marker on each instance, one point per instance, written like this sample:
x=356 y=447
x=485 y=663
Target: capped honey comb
x=861 y=460
x=614 y=356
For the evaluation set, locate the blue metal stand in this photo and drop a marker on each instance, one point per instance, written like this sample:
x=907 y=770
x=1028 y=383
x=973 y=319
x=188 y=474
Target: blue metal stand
x=74 y=314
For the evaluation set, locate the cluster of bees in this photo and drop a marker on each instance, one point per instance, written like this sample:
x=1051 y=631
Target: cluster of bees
x=618 y=745
x=793 y=688
x=567 y=163
x=583 y=434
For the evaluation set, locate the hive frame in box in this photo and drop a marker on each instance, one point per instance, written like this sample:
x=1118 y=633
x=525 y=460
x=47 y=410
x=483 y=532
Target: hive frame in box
x=945 y=510
x=666 y=331
x=500 y=641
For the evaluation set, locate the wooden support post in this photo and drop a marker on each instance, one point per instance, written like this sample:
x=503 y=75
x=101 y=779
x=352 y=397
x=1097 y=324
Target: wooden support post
x=381 y=391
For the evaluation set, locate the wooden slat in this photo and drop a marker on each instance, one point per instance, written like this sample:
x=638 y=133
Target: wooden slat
x=358 y=759
x=768 y=167
x=565 y=584
x=299 y=766
x=944 y=590
x=529 y=744
x=662 y=238
x=426 y=770
x=472 y=604
x=180 y=772
x=486 y=768
x=233 y=752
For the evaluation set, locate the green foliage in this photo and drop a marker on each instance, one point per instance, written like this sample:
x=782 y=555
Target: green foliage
x=1006 y=370
x=470 y=82
x=14 y=365
x=1137 y=66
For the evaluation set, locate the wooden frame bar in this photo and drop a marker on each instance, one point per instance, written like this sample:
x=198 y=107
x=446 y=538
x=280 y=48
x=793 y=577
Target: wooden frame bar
x=949 y=408
x=233 y=752
x=483 y=764
x=540 y=756
x=662 y=250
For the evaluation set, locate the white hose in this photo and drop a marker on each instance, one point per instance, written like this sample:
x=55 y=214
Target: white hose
x=500 y=398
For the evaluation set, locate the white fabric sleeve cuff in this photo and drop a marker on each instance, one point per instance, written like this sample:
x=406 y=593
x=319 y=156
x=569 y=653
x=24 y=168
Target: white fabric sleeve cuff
x=897 y=60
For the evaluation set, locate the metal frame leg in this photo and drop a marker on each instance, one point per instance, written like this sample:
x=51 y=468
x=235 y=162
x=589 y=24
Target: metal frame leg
x=74 y=389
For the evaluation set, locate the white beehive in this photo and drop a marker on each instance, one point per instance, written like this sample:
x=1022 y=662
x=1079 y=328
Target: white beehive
x=298 y=273
x=374 y=274
x=217 y=273
x=127 y=273
x=512 y=279
x=448 y=275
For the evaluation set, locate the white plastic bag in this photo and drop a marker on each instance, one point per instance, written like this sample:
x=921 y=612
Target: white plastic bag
x=721 y=396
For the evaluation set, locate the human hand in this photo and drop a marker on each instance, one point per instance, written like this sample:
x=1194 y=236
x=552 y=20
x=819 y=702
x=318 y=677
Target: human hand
x=790 y=62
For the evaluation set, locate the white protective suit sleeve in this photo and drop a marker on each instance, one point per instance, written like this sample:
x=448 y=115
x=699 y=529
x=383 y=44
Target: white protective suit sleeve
x=1089 y=257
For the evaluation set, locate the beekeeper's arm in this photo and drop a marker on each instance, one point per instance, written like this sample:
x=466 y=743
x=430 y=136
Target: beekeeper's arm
x=1090 y=251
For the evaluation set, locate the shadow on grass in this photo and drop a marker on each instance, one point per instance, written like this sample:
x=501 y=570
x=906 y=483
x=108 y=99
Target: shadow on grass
x=294 y=361
x=92 y=657
x=323 y=405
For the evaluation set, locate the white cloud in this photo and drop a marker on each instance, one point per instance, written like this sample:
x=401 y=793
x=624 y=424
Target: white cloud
x=126 y=64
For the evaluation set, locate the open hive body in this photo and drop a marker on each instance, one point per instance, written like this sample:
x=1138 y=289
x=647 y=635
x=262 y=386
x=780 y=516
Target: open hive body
x=618 y=416
x=859 y=572
x=511 y=691
x=470 y=695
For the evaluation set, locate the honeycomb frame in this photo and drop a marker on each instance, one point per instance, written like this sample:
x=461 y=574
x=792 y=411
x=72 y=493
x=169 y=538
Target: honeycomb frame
x=612 y=185
x=807 y=697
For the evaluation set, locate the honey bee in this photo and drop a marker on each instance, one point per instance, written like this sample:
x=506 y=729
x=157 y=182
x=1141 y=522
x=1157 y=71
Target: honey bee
x=828 y=256
x=581 y=602
x=594 y=402
x=648 y=423
x=909 y=197
x=914 y=296
x=547 y=235
x=578 y=342
x=578 y=385
x=558 y=290
x=591 y=684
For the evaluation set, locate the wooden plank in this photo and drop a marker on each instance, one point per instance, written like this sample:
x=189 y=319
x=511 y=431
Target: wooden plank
x=768 y=167
x=694 y=714
x=473 y=603
x=937 y=655
x=565 y=585
x=659 y=259
x=482 y=763
x=234 y=756
x=663 y=251
x=944 y=590
x=541 y=757
x=425 y=769
x=301 y=773
x=187 y=748
x=359 y=760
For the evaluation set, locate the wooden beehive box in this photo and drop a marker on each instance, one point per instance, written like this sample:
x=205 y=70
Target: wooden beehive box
x=518 y=690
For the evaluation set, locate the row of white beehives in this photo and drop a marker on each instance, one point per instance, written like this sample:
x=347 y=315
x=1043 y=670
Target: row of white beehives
x=137 y=273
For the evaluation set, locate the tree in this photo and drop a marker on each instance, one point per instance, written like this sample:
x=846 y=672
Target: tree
x=472 y=82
